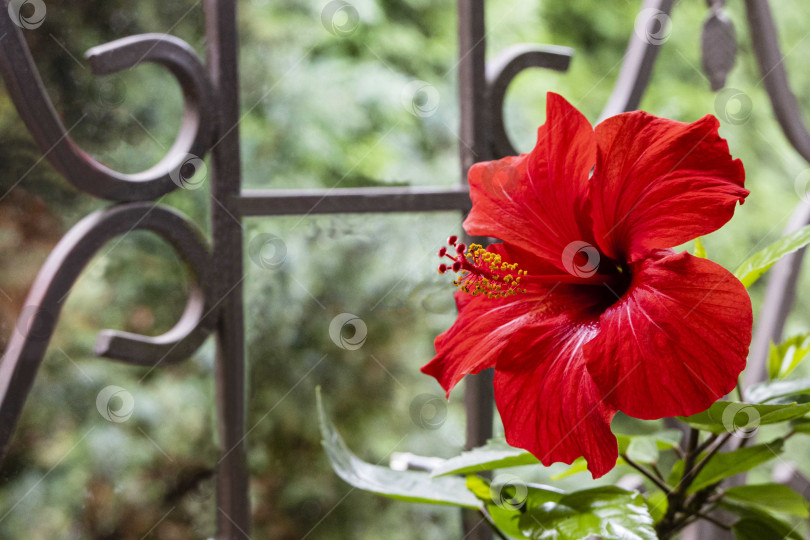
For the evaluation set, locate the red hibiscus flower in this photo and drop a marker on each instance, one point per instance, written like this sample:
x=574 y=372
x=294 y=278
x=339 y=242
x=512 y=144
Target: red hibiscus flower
x=584 y=309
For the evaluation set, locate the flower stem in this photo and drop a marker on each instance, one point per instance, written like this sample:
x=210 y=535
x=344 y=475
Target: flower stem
x=491 y=523
x=650 y=475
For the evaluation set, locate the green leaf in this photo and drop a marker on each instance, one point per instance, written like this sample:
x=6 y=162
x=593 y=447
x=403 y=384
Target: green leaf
x=725 y=464
x=579 y=465
x=608 y=512
x=802 y=425
x=783 y=358
x=505 y=508
x=657 y=504
x=754 y=529
x=775 y=497
x=700 y=251
x=771 y=390
x=757 y=524
x=737 y=416
x=645 y=448
x=409 y=486
x=759 y=263
x=496 y=454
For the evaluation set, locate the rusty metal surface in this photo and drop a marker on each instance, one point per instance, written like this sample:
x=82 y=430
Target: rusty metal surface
x=280 y=202
x=233 y=501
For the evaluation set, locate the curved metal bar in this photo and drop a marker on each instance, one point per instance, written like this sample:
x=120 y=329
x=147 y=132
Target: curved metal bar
x=636 y=70
x=60 y=271
x=785 y=274
x=774 y=76
x=630 y=86
x=502 y=70
x=82 y=170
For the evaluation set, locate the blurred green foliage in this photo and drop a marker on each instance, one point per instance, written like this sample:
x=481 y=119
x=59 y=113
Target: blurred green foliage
x=322 y=107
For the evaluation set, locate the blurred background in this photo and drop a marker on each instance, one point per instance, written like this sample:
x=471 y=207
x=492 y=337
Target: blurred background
x=357 y=97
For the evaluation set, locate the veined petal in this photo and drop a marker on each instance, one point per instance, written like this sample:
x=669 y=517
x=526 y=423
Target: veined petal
x=538 y=201
x=554 y=409
x=659 y=183
x=478 y=337
x=676 y=341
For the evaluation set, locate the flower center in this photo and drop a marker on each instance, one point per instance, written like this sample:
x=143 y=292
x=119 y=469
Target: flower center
x=481 y=271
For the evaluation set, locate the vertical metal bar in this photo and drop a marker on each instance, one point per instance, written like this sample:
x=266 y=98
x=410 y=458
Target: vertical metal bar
x=478 y=396
x=233 y=512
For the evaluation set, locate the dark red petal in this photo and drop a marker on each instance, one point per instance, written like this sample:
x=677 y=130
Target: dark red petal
x=676 y=341
x=659 y=183
x=538 y=201
x=555 y=410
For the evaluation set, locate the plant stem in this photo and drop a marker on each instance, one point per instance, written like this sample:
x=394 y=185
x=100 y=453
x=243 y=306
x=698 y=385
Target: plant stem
x=650 y=476
x=491 y=523
x=710 y=455
x=717 y=522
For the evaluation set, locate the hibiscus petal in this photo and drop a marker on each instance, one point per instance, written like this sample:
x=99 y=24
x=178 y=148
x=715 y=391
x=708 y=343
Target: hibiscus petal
x=538 y=201
x=555 y=410
x=477 y=338
x=676 y=341
x=659 y=183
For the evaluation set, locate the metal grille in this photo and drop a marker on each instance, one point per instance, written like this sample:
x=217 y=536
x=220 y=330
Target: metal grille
x=210 y=126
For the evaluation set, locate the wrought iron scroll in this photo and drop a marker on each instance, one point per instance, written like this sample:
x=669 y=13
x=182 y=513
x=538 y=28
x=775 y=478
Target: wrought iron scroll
x=28 y=93
x=214 y=301
x=61 y=270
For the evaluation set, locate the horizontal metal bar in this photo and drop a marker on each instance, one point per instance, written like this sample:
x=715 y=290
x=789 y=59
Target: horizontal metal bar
x=279 y=202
